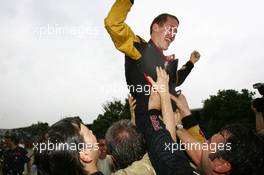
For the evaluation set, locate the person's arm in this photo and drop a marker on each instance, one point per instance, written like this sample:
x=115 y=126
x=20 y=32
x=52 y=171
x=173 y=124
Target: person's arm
x=162 y=87
x=168 y=116
x=195 y=152
x=195 y=148
x=121 y=34
x=29 y=165
x=165 y=157
x=132 y=106
x=186 y=69
x=188 y=121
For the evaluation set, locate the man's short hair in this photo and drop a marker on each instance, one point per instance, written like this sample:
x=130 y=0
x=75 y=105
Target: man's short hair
x=14 y=138
x=125 y=143
x=247 y=150
x=58 y=160
x=161 y=19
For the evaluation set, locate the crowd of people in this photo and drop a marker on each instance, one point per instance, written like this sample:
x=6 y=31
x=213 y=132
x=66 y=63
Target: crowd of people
x=162 y=137
x=153 y=148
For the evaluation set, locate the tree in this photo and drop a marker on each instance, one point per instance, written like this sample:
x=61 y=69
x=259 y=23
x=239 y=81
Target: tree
x=228 y=106
x=33 y=132
x=112 y=112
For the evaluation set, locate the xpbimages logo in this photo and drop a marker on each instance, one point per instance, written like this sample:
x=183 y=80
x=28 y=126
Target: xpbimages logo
x=117 y=89
x=212 y=147
x=59 y=146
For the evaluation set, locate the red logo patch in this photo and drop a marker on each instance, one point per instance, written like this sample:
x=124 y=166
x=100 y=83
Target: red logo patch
x=155 y=122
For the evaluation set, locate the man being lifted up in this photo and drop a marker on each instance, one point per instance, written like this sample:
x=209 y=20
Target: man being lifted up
x=141 y=57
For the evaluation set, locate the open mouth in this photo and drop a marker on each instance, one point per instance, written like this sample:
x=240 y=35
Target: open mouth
x=168 y=40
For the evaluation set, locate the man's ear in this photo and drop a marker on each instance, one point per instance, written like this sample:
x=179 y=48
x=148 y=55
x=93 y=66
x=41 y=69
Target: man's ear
x=155 y=27
x=221 y=166
x=85 y=156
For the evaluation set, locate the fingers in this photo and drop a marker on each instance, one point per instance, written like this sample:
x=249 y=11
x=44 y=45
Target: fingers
x=158 y=71
x=132 y=102
x=177 y=99
x=173 y=98
x=151 y=80
x=161 y=85
x=130 y=98
x=161 y=73
x=196 y=54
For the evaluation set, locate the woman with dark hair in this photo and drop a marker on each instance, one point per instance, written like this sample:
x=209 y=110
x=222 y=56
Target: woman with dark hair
x=70 y=149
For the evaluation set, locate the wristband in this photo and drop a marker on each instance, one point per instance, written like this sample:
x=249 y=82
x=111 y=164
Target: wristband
x=189 y=121
x=154 y=112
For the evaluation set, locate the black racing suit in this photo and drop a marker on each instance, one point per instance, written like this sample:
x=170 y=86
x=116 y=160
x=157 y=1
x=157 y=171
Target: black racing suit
x=137 y=72
x=14 y=161
x=165 y=161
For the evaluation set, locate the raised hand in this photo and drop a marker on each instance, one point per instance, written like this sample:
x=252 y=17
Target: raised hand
x=195 y=56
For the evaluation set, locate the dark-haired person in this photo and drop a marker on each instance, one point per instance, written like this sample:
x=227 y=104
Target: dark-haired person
x=243 y=153
x=235 y=150
x=70 y=149
x=141 y=57
x=15 y=157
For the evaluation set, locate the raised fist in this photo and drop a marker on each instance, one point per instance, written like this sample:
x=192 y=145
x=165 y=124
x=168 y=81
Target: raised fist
x=195 y=56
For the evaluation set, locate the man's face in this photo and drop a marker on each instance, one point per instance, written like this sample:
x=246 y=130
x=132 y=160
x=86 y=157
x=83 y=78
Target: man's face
x=103 y=148
x=220 y=137
x=90 y=139
x=165 y=34
x=208 y=165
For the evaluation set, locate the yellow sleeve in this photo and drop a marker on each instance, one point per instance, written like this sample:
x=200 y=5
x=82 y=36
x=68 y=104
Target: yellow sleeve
x=196 y=132
x=121 y=34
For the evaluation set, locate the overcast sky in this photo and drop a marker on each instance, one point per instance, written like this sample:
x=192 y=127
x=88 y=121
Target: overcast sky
x=57 y=60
